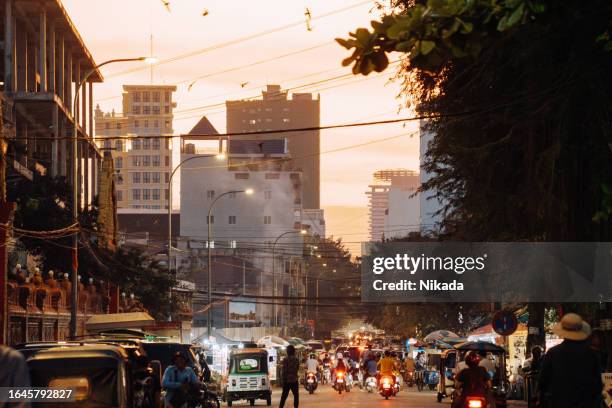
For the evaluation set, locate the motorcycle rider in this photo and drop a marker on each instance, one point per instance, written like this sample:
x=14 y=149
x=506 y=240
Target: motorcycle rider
x=472 y=381
x=386 y=366
x=409 y=366
x=339 y=365
x=312 y=366
x=370 y=368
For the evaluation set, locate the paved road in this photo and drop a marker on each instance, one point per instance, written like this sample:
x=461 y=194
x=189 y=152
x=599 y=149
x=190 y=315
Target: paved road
x=326 y=397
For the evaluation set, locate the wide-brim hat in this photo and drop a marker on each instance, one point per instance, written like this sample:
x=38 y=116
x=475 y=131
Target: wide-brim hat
x=572 y=327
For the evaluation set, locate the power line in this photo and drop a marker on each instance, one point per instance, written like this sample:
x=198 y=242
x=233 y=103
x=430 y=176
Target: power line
x=239 y=40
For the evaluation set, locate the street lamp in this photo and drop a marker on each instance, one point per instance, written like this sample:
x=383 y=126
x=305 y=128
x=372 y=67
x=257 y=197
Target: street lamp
x=219 y=156
x=248 y=191
x=75 y=188
x=302 y=232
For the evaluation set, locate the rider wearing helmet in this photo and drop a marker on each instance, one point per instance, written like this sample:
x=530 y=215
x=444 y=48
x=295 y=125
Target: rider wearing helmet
x=473 y=380
x=312 y=365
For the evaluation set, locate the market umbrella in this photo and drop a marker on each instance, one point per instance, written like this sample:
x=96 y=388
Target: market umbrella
x=439 y=335
x=479 y=346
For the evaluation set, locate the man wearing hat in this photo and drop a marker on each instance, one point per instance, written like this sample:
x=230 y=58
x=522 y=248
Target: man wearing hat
x=570 y=376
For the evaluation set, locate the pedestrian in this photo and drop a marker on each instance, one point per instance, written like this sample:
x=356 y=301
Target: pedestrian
x=570 y=375
x=289 y=377
x=14 y=373
x=180 y=382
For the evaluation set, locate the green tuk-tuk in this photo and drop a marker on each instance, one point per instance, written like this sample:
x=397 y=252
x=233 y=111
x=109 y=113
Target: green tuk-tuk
x=248 y=377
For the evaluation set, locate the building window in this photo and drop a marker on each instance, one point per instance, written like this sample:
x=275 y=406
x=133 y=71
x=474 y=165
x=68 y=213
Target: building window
x=156 y=161
x=166 y=110
x=156 y=96
x=156 y=110
x=135 y=178
x=136 y=96
x=167 y=160
x=268 y=195
x=167 y=194
x=136 y=124
x=146 y=161
x=136 y=161
x=146 y=97
x=267 y=219
x=272 y=176
x=107 y=144
x=146 y=123
x=252 y=121
x=146 y=177
x=156 y=144
x=156 y=123
x=210 y=194
x=146 y=194
x=136 y=110
x=118 y=125
x=156 y=194
x=136 y=144
x=232 y=219
x=241 y=176
x=118 y=162
x=233 y=243
x=268 y=109
x=146 y=143
x=167 y=124
x=119 y=195
x=166 y=177
x=119 y=145
x=146 y=110
x=136 y=194
x=167 y=96
x=155 y=177
x=107 y=126
x=286 y=109
x=210 y=220
x=268 y=120
x=286 y=120
x=167 y=143
x=119 y=179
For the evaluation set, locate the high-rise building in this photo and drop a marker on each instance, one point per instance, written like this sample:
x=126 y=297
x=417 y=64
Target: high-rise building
x=394 y=207
x=277 y=111
x=142 y=165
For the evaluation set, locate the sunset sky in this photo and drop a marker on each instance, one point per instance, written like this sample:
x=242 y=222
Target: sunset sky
x=120 y=28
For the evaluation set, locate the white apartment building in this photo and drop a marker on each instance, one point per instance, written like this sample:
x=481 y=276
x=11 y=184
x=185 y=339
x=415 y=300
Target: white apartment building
x=142 y=165
x=394 y=209
x=245 y=225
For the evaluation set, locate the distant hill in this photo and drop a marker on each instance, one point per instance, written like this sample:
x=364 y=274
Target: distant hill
x=349 y=223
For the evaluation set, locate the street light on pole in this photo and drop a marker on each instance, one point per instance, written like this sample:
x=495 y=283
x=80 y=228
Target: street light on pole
x=248 y=191
x=219 y=156
x=274 y=314
x=75 y=188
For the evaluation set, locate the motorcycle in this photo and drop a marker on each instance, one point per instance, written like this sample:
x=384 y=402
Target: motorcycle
x=396 y=385
x=326 y=379
x=339 y=382
x=360 y=379
x=387 y=387
x=409 y=378
x=370 y=383
x=311 y=382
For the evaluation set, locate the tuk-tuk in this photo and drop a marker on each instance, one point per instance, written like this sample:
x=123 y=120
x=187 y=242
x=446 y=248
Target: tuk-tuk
x=98 y=375
x=248 y=377
x=451 y=363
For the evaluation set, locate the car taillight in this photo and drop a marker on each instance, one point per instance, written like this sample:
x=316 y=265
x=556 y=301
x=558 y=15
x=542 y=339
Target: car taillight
x=475 y=403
